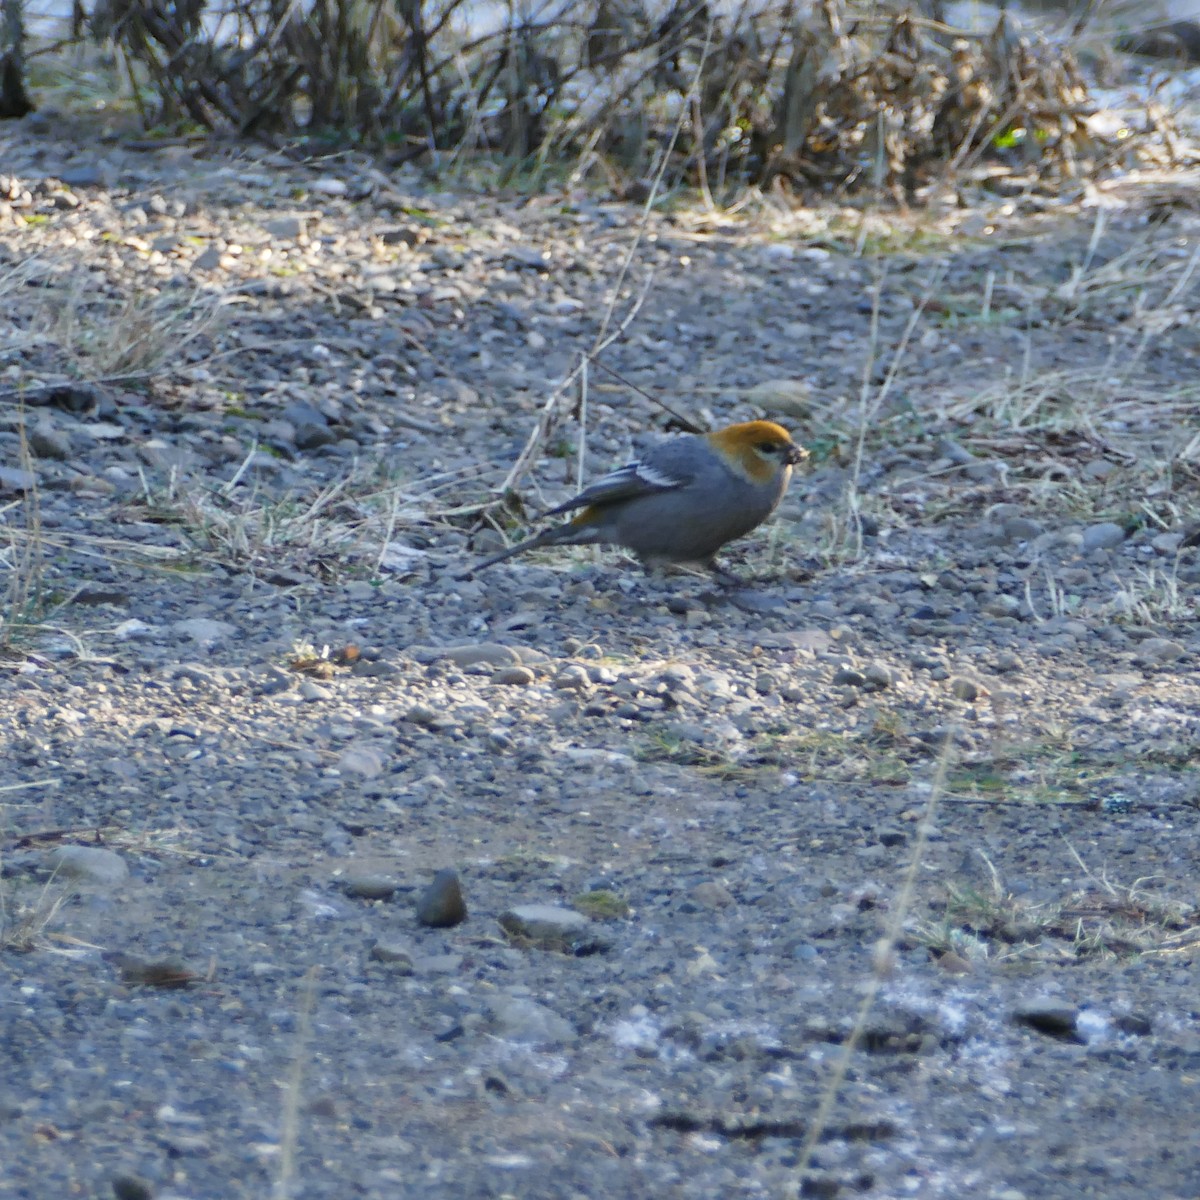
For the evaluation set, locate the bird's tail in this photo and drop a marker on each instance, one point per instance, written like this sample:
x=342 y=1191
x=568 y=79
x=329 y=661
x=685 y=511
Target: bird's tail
x=511 y=552
x=570 y=534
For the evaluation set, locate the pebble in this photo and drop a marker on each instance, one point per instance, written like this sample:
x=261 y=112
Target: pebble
x=1002 y=606
x=1167 y=543
x=520 y=1019
x=90 y=864
x=549 y=927
x=397 y=956
x=370 y=887
x=46 y=441
x=205 y=630
x=491 y=653
x=711 y=894
x=441 y=904
x=14 y=479
x=131 y=1187
x=1160 y=650
x=1052 y=1017
x=514 y=676
x=365 y=761
x=962 y=688
x=1107 y=535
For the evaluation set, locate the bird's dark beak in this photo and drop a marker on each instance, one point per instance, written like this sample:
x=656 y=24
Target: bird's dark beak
x=796 y=455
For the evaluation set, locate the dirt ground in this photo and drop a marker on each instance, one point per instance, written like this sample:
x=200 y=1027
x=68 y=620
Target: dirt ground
x=875 y=876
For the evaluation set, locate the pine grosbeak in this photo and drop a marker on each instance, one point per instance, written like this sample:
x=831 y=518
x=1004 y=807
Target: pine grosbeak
x=684 y=500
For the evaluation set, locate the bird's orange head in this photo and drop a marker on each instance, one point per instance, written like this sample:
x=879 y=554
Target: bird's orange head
x=758 y=450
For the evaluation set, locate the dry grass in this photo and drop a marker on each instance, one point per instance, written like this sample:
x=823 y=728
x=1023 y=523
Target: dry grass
x=25 y=921
x=1107 y=920
x=72 y=322
x=22 y=553
x=350 y=526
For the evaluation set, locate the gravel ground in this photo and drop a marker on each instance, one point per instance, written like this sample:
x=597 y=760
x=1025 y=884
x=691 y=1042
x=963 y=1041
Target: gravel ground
x=263 y=715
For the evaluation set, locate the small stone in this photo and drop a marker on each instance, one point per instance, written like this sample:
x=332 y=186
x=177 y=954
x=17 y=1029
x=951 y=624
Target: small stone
x=396 y=956
x=370 y=887
x=1051 y=1017
x=205 y=630
x=1022 y=529
x=573 y=678
x=514 y=676
x=131 y=1187
x=1161 y=650
x=492 y=653
x=312 y=692
x=1002 y=606
x=1134 y=1024
x=1107 y=535
x=877 y=678
x=311 y=426
x=711 y=894
x=91 y=864
x=892 y=837
x=208 y=260
x=1167 y=543
x=82 y=175
x=962 y=688
x=848 y=677
x=363 y=760
x=422 y=714
x=45 y=441
x=954 y=964
x=13 y=479
x=520 y=1019
x=441 y=904
x=287 y=229
x=550 y=927
x=328 y=186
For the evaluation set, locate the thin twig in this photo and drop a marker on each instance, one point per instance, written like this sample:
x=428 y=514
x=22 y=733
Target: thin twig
x=885 y=951
x=689 y=425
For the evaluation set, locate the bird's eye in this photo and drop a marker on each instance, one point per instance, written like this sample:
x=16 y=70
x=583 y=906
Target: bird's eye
x=767 y=448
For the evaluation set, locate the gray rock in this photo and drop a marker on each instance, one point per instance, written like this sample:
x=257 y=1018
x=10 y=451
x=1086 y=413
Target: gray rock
x=1161 y=650
x=492 y=653
x=1002 y=606
x=47 y=441
x=514 y=676
x=397 y=956
x=370 y=887
x=550 y=927
x=90 y=864
x=208 y=260
x=132 y=1187
x=287 y=228
x=81 y=175
x=362 y=759
x=205 y=630
x=711 y=894
x=310 y=424
x=1052 y=1017
x=441 y=904
x=1107 y=535
x=962 y=688
x=519 y=1019
x=13 y=479
x=877 y=677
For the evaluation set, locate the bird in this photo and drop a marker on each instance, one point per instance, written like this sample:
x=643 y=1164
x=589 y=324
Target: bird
x=682 y=501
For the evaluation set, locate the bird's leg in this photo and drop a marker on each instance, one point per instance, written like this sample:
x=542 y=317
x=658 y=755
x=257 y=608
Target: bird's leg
x=724 y=577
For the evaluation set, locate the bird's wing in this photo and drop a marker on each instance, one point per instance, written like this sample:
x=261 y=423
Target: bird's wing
x=626 y=483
